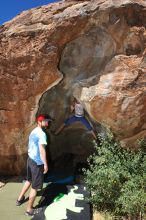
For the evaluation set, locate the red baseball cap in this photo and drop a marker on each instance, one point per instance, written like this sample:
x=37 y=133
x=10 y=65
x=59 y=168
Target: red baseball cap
x=40 y=118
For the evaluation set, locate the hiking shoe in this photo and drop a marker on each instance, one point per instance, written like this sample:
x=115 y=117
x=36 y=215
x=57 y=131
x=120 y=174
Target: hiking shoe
x=19 y=202
x=32 y=212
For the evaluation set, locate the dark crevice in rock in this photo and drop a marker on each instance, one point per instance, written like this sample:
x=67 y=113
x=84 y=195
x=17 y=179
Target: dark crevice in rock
x=133 y=51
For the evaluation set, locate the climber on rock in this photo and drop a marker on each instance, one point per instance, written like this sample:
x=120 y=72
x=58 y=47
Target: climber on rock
x=79 y=115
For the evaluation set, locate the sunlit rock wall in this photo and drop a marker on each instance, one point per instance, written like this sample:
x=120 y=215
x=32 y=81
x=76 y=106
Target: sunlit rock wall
x=94 y=50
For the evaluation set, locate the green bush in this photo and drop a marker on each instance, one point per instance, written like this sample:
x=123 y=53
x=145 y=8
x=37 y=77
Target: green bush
x=116 y=178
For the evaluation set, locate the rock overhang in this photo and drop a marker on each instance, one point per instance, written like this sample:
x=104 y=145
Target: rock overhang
x=33 y=49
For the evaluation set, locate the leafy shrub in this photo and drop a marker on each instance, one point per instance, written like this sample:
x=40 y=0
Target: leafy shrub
x=117 y=178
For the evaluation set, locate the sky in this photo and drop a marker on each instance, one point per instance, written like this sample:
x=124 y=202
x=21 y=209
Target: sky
x=10 y=8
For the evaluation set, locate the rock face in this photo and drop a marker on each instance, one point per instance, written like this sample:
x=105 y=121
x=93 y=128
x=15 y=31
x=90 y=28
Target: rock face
x=119 y=99
x=94 y=50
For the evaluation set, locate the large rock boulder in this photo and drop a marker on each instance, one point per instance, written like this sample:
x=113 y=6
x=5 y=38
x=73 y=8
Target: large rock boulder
x=94 y=50
x=119 y=100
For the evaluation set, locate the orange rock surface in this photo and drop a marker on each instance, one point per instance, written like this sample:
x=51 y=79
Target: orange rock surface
x=95 y=50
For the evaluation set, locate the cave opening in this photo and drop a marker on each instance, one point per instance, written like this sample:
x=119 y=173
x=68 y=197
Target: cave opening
x=81 y=63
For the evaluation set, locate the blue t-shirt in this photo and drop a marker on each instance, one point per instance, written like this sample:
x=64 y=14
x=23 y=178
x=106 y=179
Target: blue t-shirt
x=36 y=138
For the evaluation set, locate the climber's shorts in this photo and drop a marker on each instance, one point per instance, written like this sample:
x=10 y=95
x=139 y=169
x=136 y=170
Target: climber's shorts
x=82 y=119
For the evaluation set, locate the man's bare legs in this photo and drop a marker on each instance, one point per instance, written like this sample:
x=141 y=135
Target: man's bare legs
x=32 y=196
x=59 y=129
x=24 y=190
